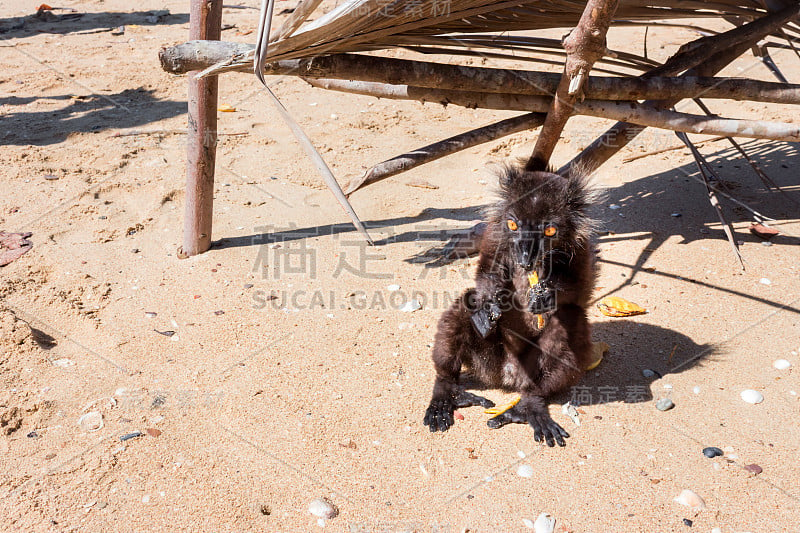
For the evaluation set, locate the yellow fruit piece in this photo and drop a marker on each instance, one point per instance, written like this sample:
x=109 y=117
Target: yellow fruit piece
x=599 y=350
x=533 y=278
x=225 y=108
x=616 y=306
x=500 y=409
x=540 y=321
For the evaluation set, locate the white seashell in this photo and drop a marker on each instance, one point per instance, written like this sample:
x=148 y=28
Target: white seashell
x=64 y=363
x=322 y=508
x=696 y=389
x=393 y=288
x=752 y=396
x=781 y=364
x=411 y=306
x=91 y=421
x=765 y=281
x=544 y=524
x=690 y=499
x=525 y=471
x=569 y=410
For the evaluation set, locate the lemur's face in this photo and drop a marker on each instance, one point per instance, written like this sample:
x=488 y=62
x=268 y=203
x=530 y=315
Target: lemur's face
x=530 y=240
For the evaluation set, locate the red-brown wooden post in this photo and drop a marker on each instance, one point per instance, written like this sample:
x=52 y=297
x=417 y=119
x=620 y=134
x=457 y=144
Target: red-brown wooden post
x=205 y=22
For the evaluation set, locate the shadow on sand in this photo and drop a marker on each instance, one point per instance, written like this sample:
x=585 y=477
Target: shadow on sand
x=93 y=113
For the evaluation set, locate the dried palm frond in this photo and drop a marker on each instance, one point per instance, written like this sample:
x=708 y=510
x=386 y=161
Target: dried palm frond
x=361 y=25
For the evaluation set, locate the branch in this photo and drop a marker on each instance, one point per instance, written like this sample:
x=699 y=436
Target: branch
x=715 y=54
x=197 y=55
x=434 y=151
x=584 y=45
x=642 y=114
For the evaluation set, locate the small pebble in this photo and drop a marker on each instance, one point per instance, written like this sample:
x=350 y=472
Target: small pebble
x=664 y=404
x=765 y=281
x=690 y=499
x=322 y=508
x=687 y=522
x=766 y=243
x=150 y=314
x=525 y=471
x=50 y=177
x=676 y=215
x=755 y=469
x=648 y=373
x=712 y=452
x=153 y=432
x=527 y=523
x=168 y=333
x=248 y=285
x=393 y=288
x=32 y=435
x=752 y=396
x=457 y=415
x=91 y=421
x=129 y=436
x=614 y=206
x=218 y=313
x=544 y=524
x=781 y=364
x=64 y=363
x=696 y=389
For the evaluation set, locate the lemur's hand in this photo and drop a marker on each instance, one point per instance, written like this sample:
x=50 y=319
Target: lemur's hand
x=485 y=319
x=542 y=298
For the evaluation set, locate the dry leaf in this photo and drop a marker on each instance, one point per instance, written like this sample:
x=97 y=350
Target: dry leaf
x=599 y=350
x=500 y=409
x=765 y=232
x=616 y=306
x=422 y=184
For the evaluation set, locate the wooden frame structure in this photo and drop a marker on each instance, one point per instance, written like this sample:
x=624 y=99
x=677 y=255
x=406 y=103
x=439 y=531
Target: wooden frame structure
x=548 y=99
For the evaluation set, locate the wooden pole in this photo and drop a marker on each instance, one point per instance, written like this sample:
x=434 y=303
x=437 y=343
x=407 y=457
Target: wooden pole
x=205 y=22
x=585 y=46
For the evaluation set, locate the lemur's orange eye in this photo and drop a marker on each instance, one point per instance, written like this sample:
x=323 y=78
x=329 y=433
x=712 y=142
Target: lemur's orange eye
x=512 y=225
x=550 y=231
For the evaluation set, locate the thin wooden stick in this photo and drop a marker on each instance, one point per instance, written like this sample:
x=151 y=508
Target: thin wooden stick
x=628 y=112
x=199 y=55
x=133 y=133
x=435 y=151
x=702 y=166
x=584 y=45
x=205 y=23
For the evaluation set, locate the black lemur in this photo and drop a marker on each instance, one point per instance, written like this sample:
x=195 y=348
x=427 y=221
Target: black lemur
x=523 y=328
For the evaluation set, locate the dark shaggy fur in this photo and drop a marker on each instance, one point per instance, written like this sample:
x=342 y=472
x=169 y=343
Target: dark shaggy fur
x=513 y=353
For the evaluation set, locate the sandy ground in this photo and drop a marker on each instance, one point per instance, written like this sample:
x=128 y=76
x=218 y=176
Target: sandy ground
x=293 y=375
